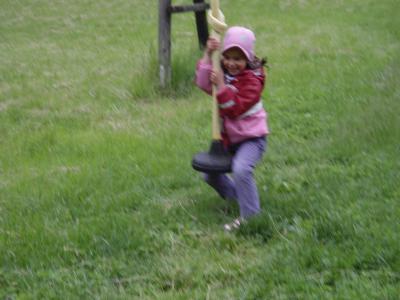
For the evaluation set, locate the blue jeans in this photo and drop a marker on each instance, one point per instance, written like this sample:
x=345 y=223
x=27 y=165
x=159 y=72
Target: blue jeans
x=241 y=185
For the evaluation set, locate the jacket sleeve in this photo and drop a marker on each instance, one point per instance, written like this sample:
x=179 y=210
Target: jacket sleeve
x=236 y=100
x=203 y=70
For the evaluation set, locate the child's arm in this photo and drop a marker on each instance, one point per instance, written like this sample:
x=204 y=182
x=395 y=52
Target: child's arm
x=203 y=70
x=204 y=66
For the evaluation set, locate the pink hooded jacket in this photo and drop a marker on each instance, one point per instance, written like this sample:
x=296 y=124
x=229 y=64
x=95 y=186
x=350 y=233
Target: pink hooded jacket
x=240 y=106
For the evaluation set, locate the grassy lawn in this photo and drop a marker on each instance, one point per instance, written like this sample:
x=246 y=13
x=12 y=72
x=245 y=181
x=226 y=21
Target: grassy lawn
x=97 y=195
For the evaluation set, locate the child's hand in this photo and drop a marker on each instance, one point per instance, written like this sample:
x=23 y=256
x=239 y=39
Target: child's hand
x=212 y=45
x=217 y=78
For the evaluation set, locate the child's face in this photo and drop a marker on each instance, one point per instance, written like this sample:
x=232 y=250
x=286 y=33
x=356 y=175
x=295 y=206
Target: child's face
x=234 y=61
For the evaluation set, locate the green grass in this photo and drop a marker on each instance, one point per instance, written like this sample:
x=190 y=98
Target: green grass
x=97 y=196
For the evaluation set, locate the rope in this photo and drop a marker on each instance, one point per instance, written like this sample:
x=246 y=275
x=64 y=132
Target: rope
x=217 y=23
x=216 y=20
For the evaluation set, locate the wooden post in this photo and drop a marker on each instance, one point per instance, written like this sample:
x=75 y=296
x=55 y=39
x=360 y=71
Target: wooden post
x=164 y=42
x=201 y=25
x=164 y=33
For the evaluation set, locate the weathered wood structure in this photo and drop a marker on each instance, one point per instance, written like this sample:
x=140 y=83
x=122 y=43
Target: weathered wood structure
x=166 y=9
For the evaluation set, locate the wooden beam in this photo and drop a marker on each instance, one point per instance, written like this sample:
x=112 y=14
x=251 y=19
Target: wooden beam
x=201 y=24
x=164 y=33
x=200 y=6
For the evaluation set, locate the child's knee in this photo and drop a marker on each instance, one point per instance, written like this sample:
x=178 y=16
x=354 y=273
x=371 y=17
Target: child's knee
x=242 y=171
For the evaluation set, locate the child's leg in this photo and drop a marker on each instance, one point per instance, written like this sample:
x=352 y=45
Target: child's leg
x=222 y=184
x=244 y=162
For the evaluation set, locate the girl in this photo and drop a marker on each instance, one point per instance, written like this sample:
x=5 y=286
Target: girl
x=244 y=121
